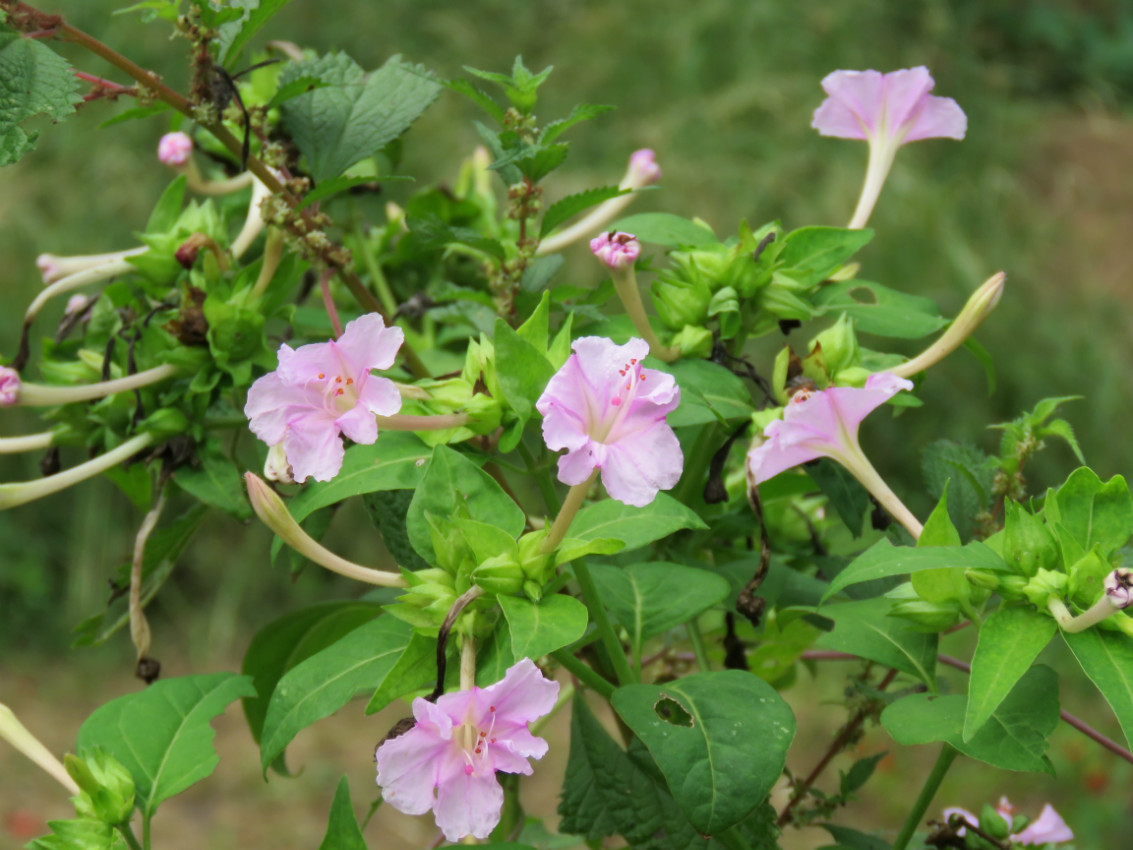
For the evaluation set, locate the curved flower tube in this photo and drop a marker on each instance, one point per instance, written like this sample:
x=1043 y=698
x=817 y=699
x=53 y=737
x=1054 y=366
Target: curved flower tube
x=618 y=252
x=824 y=423
x=254 y=222
x=448 y=761
x=176 y=151
x=887 y=110
x=89 y=275
x=44 y=395
x=16 y=734
x=54 y=267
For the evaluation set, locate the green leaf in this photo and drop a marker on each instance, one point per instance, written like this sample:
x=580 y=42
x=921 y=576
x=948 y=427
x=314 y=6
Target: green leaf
x=865 y=629
x=414 y=670
x=581 y=112
x=34 y=81
x=291 y=639
x=719 y=738
x=397 y=461
x=342 y=827
x=1095 y=513
x=538 y=629
x=329 y=679
x=168 y=208
x=666 y=229
x=341 y=184
x=1107 y=658
x=883 y=560
x=877 y=309
x=484 y=101
x=965 y=468
x=810 y=254
x=859 y=774
x=651 y=598
x=388 y=510
x=522 y=369
x=454 y=487
x=572 y=205
x=430 y=233
x=1015 y=738
x=1010 y=640
x=612 y=520
x=846 y=494
x=354 y=115
x=162 y=734
x=234 y=35
x=709 y=393
x=215 y=480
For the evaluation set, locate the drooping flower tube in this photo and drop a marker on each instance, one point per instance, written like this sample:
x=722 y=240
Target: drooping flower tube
x=13 y=391
x=643 y=171
x=609 y=413
x=1117 y=595
x=618 y=252
x=16 y=734
x=824 y=423
x=54 y=267
x=95 y=273
x=887 y=110
x=448 y=761
x=176 y=151
x=1048 y=828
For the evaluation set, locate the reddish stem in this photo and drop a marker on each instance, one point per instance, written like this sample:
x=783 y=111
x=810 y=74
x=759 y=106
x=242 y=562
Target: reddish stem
x=328 y=302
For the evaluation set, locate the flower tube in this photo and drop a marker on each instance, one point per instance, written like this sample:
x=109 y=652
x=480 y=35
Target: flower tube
x=824 y=423
x=254 y=222
x=89 y=275
x=1117 y=595
x=618 y=252
x=26 y=443
x=54 y=267
x=643 y=171
x=886 y=110
x=43 y=395
x=447 y=762
x=16 y=734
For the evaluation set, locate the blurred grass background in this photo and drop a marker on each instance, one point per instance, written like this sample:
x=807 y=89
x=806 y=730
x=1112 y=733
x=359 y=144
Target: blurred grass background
x=723 y=90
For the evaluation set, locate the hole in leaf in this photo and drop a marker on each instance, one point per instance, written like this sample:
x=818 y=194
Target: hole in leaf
x=863 y=295
x=672 y=712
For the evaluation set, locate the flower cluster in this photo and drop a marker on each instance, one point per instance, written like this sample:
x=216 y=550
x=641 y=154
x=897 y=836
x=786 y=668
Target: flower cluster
x=1048 y=828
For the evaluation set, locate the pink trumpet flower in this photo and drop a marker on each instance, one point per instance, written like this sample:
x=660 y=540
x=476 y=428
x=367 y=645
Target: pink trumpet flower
x=325 y=390
x=887 y=110
x=609 y=413
x=448 y=761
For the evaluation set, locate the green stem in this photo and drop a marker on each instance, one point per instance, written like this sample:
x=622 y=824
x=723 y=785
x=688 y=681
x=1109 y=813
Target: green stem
x=602 y=621
x=145 y=831
x=375 y=270
x=584 y=673
x=944 y=761
x=698 y=648
x=575 y=497
x=128 y=834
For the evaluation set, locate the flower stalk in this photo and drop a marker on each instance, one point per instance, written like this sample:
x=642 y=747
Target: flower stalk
x=571 y=504
x=410 y=422
x=1117 y=596
x=42 y=395
x=26 y=443
x=54 y=267
x=85 y=277
x=16 y=734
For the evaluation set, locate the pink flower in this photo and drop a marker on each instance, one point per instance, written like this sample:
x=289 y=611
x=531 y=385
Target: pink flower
x=821 y=423
x=643 y=169
x=174 y=149
x=448 y=761
x=609 y=414
x=617 y=250
x=887 y=110
x=9 y=386
x=1050 y=828
x=323 y=390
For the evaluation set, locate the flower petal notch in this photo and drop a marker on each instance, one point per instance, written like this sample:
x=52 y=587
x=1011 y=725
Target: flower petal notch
x=448 y=761
x=609 y=413
x=323 y=391
x=887 y=110
x=824 y=423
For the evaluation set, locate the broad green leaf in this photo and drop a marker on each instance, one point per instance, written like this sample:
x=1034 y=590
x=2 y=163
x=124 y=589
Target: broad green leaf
x=610 y=519
x=454 y=487
x=1095 y=513
x=1015 y=738
x=883 y=560
x=719 y=738
x=846 y=494
x=483 y=100
x=1010 y=640
x=522 y=369
x=709 y=393
x=167 y=210
x=810 y=254
x=291 y=639
x=415 y=670
x=965 y=470
x=431 y=233
x=581 y=112
x=234 y=35
x=214 y=479
x=540 y=628
x=864 y=629
x=329 y=679
x=876 y=309
x=572 y=205
x=341 y=184
x=342 y=832
x=388 y=510
x=651 y=598
x=1107 y=658
x=665 y=229
x=354 y=115
x=397 y=461
x=946 y=585
x=162 y=734
x=34 y=81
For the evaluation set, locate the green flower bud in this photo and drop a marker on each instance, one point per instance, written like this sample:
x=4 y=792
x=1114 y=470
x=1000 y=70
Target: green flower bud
x=680 y=302
x=537 y=565
x=725 y=307
x=930 y=617
x=993 y=823
x=107 y=786
x=80 y=834
x=499 y=575
x=1027 y=542
x=692 y=341
x=1044 y=585
x=839 y=346
x=983 y=578
x=1087 y=578
x=533 y=590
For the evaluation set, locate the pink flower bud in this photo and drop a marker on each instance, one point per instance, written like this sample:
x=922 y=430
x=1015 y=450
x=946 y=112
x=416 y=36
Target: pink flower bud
x=1119 y=588
x=76 y=304
x=643 y=168
x=9 y=386
x=48 y=267
x=174 y=149
x=616 y=250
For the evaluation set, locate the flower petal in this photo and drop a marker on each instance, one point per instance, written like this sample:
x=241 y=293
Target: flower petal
x=368 y=344
x=522 y=695
x=380 y=396
x=469 y=804
x=854 y=106
x=905 y=94
x=314 y=447
x=941 y=117
x=640 y=464
x=269 y=406
x=576 y=466
x=407 y=769
x=1048 y=828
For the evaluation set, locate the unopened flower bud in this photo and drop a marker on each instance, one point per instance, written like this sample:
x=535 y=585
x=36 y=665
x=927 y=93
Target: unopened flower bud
x=76 y=304
x=616 y=249
x=9 y=386
x=107 y=786
x=1119 y=588
x=277 y=467
x=643 y=169
x=174 y=149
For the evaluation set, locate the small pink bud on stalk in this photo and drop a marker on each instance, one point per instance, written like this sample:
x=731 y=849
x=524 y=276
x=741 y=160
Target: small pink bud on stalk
x=618 y=252
x=14 y=392
x=54 y=267
x=643 y=171
x=978 y=308
x=1117 y=596
x=274 y=514
x=16 y=734
x=176 y=151
x=13 y=495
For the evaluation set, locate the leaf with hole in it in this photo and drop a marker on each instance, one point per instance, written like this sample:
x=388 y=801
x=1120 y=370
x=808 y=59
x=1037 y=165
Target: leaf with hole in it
x=865 y=629
x=539 y=628
x=1010 y=640
x=1015 y=738
x=666 y=229
x=612 y=520
x=162 y=734
x=877 y=309
x=1107 y=658
x=720 y=739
